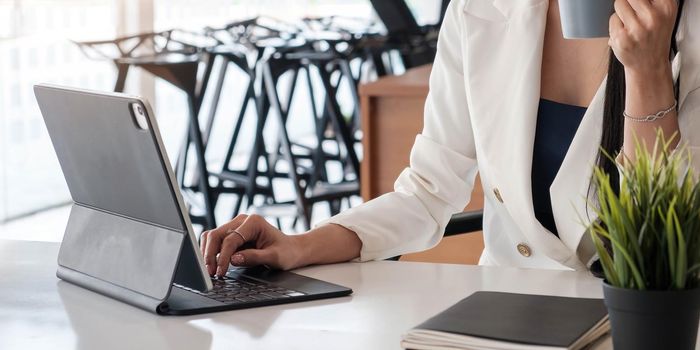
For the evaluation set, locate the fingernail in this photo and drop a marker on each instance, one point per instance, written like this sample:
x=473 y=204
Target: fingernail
x=237 y=259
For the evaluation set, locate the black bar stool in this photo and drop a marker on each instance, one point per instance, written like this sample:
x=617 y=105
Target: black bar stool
x=245 y=44
x=310 y=182
x=179 y=58
x=306 y=165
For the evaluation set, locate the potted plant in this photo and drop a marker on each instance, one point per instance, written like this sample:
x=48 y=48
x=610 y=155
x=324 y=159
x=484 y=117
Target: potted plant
x=648 y=240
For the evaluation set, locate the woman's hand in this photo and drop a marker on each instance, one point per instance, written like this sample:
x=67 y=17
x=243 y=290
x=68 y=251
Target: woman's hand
x=271 y=247
x=640 y=34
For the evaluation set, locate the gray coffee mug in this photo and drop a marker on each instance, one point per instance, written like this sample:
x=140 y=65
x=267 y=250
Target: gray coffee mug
x=581 y=19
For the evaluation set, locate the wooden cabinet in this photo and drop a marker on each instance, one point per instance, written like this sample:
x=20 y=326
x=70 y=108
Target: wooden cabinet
x=392 y=116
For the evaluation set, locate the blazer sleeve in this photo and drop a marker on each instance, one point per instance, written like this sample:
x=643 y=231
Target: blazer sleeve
x=440 y=178
x=689 y=75
x=690 y=129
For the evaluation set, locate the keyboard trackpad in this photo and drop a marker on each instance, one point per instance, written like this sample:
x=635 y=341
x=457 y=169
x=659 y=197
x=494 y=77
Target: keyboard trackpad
x=289 y=280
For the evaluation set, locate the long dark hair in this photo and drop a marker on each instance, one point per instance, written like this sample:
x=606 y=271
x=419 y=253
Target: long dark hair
x=613 y=121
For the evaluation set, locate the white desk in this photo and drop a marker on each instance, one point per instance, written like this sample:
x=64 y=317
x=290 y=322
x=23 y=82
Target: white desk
x=38 y=311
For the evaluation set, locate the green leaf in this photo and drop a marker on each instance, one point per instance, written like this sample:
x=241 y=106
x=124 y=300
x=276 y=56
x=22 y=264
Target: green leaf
x=605 y=259
x=629 y=262
x=681 y=262
x=652 y=221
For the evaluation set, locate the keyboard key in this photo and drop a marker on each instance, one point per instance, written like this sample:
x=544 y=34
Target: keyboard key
x=244 y=290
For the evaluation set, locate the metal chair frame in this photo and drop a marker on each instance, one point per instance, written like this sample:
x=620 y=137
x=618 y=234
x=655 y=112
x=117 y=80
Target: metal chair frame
x=265 y=49
x=182 y=72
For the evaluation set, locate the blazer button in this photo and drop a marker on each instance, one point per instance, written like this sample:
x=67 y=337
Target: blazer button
x=524 y=250
x=497 y=193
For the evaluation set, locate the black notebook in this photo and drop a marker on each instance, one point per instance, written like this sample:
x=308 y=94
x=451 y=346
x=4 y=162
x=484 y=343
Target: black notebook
x=494 y=320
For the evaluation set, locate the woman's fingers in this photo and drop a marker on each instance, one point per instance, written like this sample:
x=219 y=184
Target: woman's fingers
x=652 y=15
x=226 y=240
x=642 y=8
x=640 y=32
x=254 y=257
x=215 y=240
x=666 y=7
x=654 y=9
x=616 y=29
x=627 y=14
x=220 y=244
x=257 y=229
x=228 y=247
x=203 y=241
x=252 y=227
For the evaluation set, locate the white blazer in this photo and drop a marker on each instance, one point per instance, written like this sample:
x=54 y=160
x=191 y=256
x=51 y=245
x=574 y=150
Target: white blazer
x=480 y=116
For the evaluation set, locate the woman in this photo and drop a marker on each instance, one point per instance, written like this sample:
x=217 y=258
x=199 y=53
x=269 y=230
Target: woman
x=507 y=91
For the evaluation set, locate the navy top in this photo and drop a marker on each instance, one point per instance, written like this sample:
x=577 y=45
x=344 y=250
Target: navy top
x=556 y=126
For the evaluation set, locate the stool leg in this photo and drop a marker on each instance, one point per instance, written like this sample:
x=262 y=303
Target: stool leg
x=347 y=72
x=379 y=65
x=203 y=176
x=226 y=166
x=262 y=107
x=196 y=98
x=250 y=94
x=181 y=161
x=300 y=200
x=339 y=123
x=320 y=122
x=215 y=99
x=285 y=110
x=122 y=71
x=334 y=206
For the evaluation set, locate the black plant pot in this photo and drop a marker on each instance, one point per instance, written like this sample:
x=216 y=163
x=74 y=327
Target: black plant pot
x=653 y=320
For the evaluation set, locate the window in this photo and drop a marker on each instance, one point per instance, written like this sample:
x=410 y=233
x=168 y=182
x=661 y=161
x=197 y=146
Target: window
x=14 y=59
x=31 y=37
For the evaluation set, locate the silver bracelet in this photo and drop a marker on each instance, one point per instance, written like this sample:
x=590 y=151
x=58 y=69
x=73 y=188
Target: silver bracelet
x=652 y=117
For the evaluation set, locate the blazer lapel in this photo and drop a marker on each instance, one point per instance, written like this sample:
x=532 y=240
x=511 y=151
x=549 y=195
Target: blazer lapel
x=688 y=59
x=503 y=67
x=570 y=189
